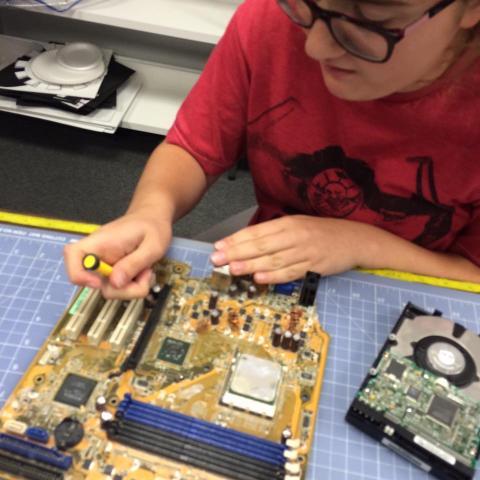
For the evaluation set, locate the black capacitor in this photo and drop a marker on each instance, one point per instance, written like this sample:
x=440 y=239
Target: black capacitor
x=287 y=340
x=277 y=337
x=215 y=317
x=295 y=343
x=212 y=302
x=251 y=291
x=100 y=403
x=232 y=290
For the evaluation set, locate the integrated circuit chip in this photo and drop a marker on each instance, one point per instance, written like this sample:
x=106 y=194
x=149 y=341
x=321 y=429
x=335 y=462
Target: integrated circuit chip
x=253 y=385
x=413 y=393
x=443 y=410
x=75 y=390
x=173 y=351
x=396 y=369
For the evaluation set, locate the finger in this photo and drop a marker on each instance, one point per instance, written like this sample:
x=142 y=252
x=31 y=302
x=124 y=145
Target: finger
x=73 y=256
x=137 y=288
x=283 y=275
x=266 y=245
x=252 y=232
x=275 y=261
x=132 y=264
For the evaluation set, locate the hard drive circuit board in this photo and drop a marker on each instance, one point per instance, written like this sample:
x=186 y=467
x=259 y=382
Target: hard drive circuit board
x=207 y=378
x=426 y=405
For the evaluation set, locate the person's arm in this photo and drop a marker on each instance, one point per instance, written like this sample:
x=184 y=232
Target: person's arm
x=172 y=179
x=171 y=184
x=285 y=249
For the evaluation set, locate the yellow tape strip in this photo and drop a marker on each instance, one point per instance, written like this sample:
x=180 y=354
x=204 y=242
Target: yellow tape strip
x=86 y=228
x=435 y=281
x=47 y=223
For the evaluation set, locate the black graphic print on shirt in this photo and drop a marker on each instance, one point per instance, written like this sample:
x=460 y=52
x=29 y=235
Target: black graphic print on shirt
x=332 y=184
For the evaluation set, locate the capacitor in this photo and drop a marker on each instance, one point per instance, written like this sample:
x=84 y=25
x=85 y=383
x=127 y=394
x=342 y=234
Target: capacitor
x=287 y=340
x=251 y=291
x=286 y=434
x=212 y=302
x=106 y=417
x=155 y=290
x=100 y=403
x=295 y=343
x=232 y=290
x=277 y=337
x=215 y=316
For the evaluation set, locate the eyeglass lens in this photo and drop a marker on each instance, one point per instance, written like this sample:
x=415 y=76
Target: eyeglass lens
x=354 y=38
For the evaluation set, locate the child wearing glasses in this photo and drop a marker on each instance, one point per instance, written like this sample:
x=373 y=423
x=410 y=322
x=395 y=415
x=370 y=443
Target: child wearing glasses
x=359 y=119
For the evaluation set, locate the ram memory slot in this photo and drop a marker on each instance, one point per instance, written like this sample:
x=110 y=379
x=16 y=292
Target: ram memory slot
x=200 y=430
x=103 y=321
x=31 y=451
x=80 y=318
x=25 y=468
x=152 y=322
x=191 y=452
x=126 y=324
x=220 y=450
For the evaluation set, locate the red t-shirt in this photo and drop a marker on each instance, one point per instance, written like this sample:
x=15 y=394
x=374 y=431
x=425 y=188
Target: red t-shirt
x=408 y=163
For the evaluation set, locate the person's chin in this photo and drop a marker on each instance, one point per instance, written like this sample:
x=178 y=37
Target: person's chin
x=347 y=87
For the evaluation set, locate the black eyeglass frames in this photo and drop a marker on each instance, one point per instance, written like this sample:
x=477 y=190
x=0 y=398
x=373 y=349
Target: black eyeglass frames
x=363 y=39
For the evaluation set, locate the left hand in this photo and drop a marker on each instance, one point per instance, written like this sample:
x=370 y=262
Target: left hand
x=284 y=249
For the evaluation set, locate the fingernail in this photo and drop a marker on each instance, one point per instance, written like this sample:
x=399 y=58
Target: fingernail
x=218 y=257
x=119 y=280
x=220 y=245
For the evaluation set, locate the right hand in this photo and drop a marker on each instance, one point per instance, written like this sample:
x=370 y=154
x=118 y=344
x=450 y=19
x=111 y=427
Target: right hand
x=131 y=244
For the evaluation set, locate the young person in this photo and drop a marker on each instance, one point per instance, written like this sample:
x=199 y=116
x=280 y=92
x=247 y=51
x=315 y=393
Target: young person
x=359 y=119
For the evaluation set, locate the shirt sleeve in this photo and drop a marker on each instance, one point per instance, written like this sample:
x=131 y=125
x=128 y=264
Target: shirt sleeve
x=211 y=123
x=467 y=243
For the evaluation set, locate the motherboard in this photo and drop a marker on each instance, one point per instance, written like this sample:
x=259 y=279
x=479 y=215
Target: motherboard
x=206 y=378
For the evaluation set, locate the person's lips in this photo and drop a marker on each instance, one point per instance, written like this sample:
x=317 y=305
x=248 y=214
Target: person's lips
x=336 y=71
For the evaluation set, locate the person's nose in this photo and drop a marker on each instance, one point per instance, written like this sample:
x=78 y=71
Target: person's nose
x=320 y=44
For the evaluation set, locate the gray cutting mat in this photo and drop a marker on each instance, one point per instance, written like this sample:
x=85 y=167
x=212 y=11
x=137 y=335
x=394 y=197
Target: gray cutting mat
x=357 y=310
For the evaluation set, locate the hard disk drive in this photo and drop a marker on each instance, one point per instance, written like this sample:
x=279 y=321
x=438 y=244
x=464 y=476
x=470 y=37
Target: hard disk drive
x=421 y=398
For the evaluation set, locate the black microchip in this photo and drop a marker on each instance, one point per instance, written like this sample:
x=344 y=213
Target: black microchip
x=173 y=351
x=246 y=327
x=396 y=369
x=443 y=410
x=413 y=392
x=195 y=315
x=75 y=390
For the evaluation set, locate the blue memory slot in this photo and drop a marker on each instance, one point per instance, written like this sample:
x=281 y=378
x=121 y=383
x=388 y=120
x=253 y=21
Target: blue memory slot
x=201 y=431
x=32 y=451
